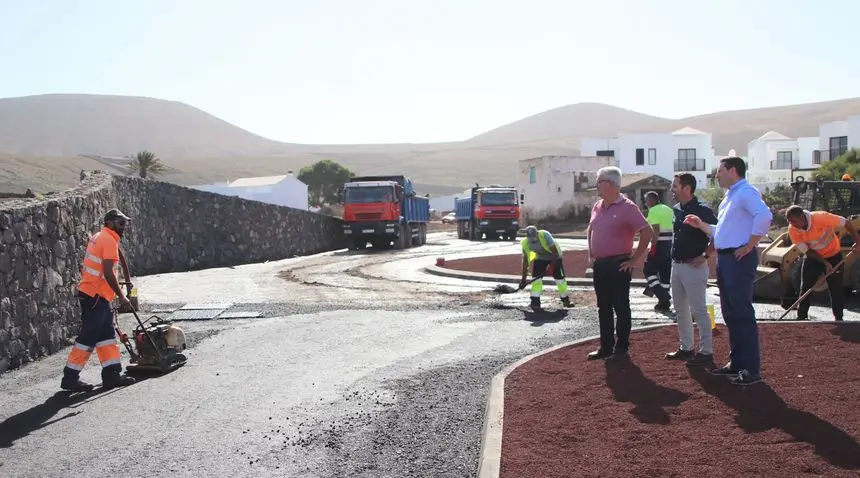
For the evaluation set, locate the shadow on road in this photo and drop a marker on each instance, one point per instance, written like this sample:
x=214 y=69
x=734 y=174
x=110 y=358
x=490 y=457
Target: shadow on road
x=629 y=384
x=545 y=317
x=849 y=332
x=40 y=416
x=760 y=408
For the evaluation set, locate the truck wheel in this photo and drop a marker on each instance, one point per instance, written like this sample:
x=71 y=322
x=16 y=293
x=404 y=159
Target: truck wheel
x=416 y=239
x=402 y=240
x=423 y=234
x=473 y=233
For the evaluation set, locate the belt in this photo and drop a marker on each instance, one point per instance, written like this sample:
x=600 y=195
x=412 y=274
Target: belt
x=727 y=250
x=620 y=257
x=684 y=261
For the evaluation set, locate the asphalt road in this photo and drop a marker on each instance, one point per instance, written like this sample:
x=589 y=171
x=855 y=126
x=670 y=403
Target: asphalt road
x=360 y=365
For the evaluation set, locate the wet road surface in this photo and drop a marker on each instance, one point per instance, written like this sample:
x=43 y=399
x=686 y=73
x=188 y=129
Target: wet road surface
x=359 y=365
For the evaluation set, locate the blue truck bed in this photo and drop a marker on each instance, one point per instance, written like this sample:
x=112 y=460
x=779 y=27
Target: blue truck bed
x=416 y=209
x=463 y=209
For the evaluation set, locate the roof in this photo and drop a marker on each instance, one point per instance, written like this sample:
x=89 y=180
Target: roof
x=688 y=130
x=631 y=179
x=257 y=181
x=772 y=135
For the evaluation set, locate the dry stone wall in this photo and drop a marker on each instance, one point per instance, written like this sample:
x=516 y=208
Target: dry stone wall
x=174 y=229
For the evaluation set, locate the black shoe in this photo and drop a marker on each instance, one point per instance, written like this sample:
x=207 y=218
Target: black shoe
x=664 y=307
x=745 y=378
x=701 y=358
x=680 y=355
x=76 y=385
x=724 y=370
x=599 y=354
x=565 y=301
x=802 y=318
x=535 y=304
x=619 y=355
x=117 y=380
x=838 y=319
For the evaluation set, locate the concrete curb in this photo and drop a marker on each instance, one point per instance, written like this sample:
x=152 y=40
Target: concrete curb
x=504 y=278
x=490 y=457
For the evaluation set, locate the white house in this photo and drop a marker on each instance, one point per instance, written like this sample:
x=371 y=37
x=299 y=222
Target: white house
x=772 y=157
x=664 y=154
x=836 y=137
x=282 y=190
x=557 y=185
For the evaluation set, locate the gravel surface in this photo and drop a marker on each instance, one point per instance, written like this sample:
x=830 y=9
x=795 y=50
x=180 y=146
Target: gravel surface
x=361 y=366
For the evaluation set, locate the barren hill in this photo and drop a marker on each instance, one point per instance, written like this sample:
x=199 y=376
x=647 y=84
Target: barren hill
x=41 y=138
x=581 y=119
x=66 y=125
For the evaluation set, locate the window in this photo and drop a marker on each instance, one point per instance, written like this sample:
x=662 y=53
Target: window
x=606 y=152
x=652 y=156
x=640 y=156
x=838 y=146
x=687 y=161
x=783 y=160
x=532 y=175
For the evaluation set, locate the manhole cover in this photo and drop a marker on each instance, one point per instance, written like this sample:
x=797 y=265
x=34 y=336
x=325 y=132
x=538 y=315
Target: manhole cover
x=240 y=315
x=196 y=314
x=207 y=305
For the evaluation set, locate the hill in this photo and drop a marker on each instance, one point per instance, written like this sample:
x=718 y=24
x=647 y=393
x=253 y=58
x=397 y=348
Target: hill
x=42 y=138
x=67 y=125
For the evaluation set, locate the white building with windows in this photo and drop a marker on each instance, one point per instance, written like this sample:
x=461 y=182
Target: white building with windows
x=281 y=190
x=773 y=156
x=664 y=154
x=836 y=137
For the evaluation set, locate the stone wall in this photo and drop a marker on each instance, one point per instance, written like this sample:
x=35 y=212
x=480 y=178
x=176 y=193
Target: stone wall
x=174 y=229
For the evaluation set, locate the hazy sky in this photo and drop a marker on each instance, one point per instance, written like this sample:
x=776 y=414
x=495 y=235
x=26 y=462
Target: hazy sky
x=365 y=71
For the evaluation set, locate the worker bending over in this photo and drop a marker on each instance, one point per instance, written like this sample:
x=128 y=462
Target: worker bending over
x=542 y=251
x=97 y=288
x=814 y=233
x=658 y=265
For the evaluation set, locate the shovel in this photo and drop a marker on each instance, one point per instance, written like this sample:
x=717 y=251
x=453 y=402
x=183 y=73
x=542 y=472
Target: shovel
x=812 y=289
x=506 y=289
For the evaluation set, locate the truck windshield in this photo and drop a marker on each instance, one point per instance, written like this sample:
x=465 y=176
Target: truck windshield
x=368 y=194
x=499 y=199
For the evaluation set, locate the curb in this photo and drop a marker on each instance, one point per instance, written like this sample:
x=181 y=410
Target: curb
x=505 y=278
x=490 y=457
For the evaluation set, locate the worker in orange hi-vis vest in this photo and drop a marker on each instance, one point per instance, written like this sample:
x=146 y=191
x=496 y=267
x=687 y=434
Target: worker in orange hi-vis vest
x=98 y=287
x=814 y=233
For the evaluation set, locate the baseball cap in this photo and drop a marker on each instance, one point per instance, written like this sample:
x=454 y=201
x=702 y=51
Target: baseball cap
x=115 y=214
x=531 y=231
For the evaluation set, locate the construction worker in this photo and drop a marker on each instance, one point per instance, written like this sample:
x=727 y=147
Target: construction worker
x=658 y=265
x=97 y=288
x=814 y=233
x=542 y=252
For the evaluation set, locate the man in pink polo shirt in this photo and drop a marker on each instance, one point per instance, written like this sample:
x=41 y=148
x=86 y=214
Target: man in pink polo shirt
x=615 y=220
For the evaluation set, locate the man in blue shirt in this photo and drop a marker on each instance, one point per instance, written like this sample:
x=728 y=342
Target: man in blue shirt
x=742 y=220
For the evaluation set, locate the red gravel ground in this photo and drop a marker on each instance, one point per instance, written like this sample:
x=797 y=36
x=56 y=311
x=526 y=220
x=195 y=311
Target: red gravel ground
x=649 y=417
x=575 y=263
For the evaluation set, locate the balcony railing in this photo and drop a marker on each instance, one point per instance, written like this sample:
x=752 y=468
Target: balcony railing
x=824 y=155
x=690 y=164
x=784 y=164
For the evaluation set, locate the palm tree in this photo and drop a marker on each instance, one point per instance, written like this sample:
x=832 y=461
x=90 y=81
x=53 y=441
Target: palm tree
x=145 y=164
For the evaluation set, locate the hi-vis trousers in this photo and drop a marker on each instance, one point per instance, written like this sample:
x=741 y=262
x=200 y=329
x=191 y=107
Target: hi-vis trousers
x=97 y=334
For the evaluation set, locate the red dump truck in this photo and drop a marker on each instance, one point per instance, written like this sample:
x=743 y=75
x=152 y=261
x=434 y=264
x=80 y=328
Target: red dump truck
x=382 y=210
x=490 y=211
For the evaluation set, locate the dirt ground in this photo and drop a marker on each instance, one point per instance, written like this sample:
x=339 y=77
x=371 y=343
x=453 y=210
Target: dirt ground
x=651 y=417
x=575 y=263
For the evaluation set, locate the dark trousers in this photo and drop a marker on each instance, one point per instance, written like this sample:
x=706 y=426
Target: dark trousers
x=612 y=288
x=539 y=267
x=96 y=334
x=810 y=271
x=735 y=281
x=658 y=271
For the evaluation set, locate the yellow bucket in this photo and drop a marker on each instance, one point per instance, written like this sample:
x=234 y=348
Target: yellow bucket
x=713 y=316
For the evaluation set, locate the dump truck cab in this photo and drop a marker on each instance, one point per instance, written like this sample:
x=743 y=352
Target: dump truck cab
x=779 y=264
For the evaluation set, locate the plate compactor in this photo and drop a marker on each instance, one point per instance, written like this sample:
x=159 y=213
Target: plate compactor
x=158 y=346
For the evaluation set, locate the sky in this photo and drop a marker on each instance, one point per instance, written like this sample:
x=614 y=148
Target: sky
x=373 y=71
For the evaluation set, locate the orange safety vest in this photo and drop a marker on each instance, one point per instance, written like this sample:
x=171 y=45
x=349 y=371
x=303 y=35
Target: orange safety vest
x=102 y=245
x=820 y=235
